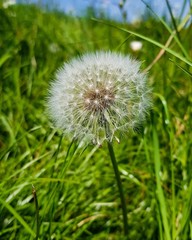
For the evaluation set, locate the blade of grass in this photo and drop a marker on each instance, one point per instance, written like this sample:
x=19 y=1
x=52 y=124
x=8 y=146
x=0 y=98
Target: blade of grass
x=160 y=194
x=173 y=19
x=169 y=129
x=168 y=42
x=183 y=69
x=73 y=151
x=4 y=58
x=148 y=40
x=183 y=9
x=37 y=211
x=18 y=217
x=187 y=212
x=174 y=34
x=160 y=226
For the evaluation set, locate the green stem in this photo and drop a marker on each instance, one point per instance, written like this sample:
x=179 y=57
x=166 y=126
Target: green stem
x=37 y=212
x=119 y=183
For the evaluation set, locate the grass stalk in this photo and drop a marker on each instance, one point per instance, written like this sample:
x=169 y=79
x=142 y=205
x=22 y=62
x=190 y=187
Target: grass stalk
x=160 y=193
x=37 y=212
x=18 y=217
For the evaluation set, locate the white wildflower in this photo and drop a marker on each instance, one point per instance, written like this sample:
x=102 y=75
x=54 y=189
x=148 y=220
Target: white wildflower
x=99 y=96
x=136 y=45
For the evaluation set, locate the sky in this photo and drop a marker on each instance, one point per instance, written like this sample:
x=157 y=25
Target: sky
x=134 y=9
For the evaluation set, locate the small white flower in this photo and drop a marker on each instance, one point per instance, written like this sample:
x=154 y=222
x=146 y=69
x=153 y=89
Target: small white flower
x=98 y=96
x=136 y=45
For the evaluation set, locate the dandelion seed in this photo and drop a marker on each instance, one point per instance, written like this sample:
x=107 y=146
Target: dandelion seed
x=99 y=96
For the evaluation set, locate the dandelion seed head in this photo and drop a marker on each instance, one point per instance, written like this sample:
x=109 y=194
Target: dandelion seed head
x=99 y=96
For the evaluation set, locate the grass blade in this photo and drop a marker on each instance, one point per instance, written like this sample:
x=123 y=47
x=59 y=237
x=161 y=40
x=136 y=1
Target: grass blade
x=187 y=212
x=18 y=217
x=160 y=194
x=149 y=40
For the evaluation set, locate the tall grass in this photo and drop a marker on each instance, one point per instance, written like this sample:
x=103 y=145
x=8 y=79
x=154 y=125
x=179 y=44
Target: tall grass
x=75 y=193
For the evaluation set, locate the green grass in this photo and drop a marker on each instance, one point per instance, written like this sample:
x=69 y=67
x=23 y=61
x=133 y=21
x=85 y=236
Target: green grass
x=77 y=196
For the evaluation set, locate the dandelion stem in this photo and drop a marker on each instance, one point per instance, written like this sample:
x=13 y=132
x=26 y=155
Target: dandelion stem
x=120 y=187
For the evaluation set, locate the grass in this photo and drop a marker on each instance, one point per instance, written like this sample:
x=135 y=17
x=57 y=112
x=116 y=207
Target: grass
x=51 y=186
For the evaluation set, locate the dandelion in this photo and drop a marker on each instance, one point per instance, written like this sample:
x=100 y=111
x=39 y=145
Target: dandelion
x=99 y=96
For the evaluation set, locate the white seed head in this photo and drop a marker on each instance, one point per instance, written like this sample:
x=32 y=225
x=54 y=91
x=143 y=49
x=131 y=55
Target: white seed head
x=98 y=96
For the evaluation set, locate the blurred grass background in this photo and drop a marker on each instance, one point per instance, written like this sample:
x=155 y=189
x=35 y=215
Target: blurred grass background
x=75 y=185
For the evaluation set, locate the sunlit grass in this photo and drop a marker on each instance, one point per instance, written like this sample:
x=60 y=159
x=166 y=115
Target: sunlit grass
x=75 y=187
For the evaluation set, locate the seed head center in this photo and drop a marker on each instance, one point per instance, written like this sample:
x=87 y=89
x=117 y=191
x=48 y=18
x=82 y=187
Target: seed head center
x=98 y=99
